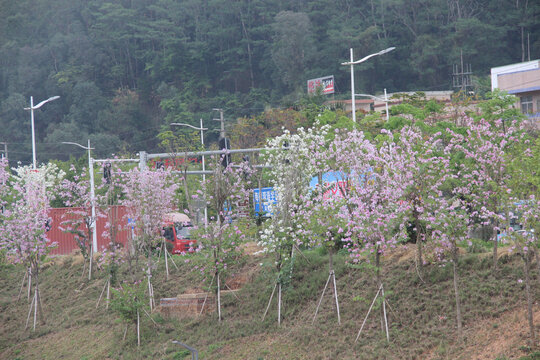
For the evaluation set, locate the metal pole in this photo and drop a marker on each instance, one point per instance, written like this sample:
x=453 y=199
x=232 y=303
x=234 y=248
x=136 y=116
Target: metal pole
x=92 y=200
x=353 y=103
x=386 y=102
x=204 y=177
x=33 y=133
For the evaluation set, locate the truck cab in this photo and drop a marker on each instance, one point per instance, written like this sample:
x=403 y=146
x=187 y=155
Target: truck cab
x=177 y=233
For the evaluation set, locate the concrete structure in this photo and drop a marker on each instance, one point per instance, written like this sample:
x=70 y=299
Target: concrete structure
x=523 y=81
x=365 y=105
x=439 y=96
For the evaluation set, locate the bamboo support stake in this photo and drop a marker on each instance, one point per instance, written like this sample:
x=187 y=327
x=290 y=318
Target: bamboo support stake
x=279 y=304
x=108 y=294
x=218 y=298
x=336 y=297
x=320 y=300
x=170 y=257
x=384 y=311
x=29 y=282
x=232 y=292
x=166 y=262
x=269 y=301
x=29 y=312
x=91 y=260
x=22 y=285
x=206 y=297
x=138 y=330
x=101 y=295
x=40 y=307
x=35 y=307
x=125 y=332
x=365 y=319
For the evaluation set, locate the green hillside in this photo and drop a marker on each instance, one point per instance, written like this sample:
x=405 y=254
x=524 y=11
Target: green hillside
x=421 y=313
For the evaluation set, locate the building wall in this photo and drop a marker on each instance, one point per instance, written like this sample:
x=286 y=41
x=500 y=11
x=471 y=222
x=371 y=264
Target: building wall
x=520 y=82
x=506 y=69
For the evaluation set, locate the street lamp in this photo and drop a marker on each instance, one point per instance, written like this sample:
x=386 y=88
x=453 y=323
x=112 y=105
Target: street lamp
x=32 y=108
x=201 y=129
x=92 y=192
x=352 y=63
x=380 y=99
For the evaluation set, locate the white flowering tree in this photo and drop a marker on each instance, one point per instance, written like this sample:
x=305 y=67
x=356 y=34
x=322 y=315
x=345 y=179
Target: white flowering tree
x=290 y=158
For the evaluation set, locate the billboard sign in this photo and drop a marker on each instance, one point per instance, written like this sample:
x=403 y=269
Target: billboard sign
x=326 y=83
x=268 y=197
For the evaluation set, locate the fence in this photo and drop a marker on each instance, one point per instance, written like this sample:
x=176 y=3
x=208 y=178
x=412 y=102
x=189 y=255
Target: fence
x=66 y=243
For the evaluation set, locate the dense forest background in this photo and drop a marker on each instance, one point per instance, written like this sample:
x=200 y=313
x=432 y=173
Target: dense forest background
x=125 y=69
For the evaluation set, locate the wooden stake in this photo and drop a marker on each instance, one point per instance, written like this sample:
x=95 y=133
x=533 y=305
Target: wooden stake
x=125 y=332
x=269 y=301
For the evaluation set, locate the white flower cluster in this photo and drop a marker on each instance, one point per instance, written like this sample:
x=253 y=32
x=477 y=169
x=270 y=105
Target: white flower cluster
x=293 y=166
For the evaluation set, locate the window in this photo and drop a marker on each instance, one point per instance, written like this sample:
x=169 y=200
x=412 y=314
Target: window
x=526 y=104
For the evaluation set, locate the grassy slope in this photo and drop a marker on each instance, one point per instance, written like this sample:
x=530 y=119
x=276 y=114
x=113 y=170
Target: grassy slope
x=421 y=315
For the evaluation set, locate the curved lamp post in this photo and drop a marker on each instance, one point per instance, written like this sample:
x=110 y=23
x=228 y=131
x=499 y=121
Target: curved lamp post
x=380 y=99
x=92 y=192
x=352 y=63
x=32 y=108
x=201 y=129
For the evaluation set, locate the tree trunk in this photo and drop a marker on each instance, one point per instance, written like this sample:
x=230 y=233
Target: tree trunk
x=456 y=292
x=537 y=263
x=419 y=257
x=495 y=243
x=526 y=258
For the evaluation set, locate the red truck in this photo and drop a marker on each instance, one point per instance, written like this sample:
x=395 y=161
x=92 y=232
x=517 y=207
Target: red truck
x=177 y=232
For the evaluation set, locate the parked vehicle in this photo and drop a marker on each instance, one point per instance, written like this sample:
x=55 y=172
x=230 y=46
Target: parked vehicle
x=177 y=233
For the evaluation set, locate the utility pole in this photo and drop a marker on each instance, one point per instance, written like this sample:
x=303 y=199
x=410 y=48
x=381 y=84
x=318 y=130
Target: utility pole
x=462 y=79
x=222 y=120
x=5 y=152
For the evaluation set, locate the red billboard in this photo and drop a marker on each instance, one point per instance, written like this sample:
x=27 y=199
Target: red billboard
x=325 y=83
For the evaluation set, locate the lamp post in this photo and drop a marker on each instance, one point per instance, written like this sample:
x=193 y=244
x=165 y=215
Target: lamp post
x=92 y=192
x=201 y=129
x=32 y=108
x=352 y=63
x=380 y=99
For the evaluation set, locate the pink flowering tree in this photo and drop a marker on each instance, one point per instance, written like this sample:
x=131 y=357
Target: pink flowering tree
x=420 y=168
x=23 y=229
x=449 y=228
x=483 y=173
x=78 y=221
x=148 y=196
x=220 y=240
x=525 y=244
